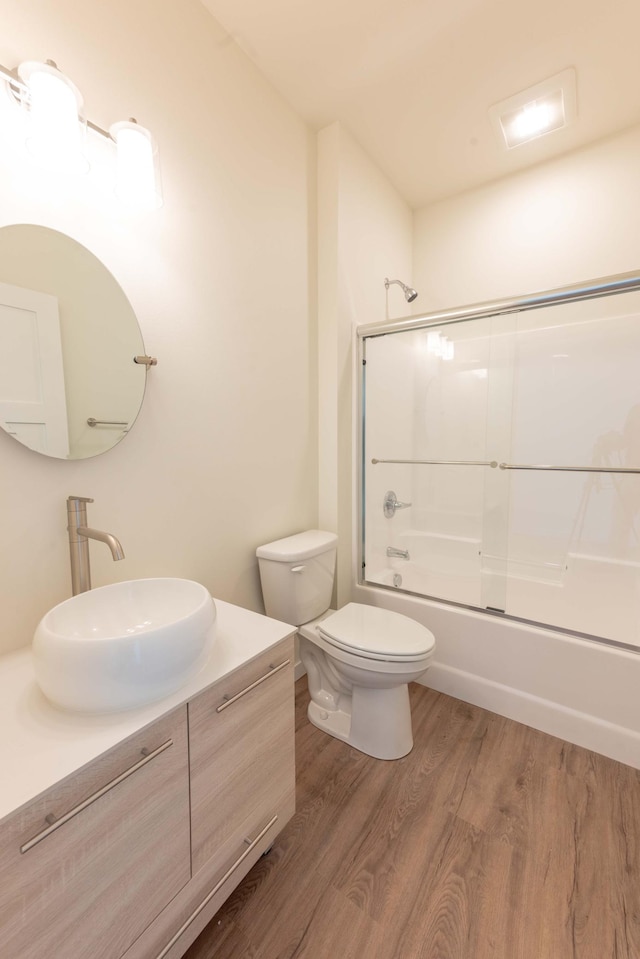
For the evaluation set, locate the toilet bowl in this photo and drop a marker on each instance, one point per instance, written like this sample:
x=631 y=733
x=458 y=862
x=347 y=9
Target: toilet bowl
x=359 y=659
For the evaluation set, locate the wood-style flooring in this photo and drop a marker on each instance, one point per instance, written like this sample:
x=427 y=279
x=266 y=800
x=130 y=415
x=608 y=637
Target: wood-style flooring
x=489 y=841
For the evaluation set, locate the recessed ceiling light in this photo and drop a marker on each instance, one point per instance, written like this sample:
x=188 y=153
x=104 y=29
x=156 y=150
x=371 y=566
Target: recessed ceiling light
x=541 y=109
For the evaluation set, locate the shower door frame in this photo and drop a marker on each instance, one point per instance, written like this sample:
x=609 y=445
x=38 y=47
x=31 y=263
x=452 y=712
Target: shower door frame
x=587 y=290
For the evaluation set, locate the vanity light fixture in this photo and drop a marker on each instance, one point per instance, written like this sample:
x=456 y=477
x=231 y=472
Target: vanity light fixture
x=137 y=180
x=57 y=127
x=536 y=111
x=56 y=136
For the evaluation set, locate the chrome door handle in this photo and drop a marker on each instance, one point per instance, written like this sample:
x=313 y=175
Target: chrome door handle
x=391 y=503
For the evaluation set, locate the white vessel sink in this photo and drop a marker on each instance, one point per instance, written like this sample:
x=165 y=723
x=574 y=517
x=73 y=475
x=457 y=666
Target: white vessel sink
x=123 y=645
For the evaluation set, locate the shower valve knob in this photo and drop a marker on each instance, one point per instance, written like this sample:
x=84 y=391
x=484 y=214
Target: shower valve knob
x=391 y=503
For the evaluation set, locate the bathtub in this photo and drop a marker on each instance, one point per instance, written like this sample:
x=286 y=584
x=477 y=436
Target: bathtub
x=578 y=688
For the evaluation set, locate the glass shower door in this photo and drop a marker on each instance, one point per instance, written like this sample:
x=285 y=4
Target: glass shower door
x=428 y=396
x=574 y=529
x=501 y=464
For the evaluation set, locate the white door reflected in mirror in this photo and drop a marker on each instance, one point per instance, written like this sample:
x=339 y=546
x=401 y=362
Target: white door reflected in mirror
x=33 y=405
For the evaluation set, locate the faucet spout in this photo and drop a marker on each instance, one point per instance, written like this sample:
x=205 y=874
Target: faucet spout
x=399 y=553
x=79 y=536
x=112 y=541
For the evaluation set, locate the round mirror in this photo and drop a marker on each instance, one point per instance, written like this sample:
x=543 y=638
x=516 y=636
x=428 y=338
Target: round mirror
x=69 y=386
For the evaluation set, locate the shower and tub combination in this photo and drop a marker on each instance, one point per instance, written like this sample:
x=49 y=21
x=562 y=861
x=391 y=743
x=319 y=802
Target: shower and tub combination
x=500 y=497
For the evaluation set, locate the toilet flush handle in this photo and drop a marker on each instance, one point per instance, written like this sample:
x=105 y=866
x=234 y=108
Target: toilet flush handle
x=297 y=569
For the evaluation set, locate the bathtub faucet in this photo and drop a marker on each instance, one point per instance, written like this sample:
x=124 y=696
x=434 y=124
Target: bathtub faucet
x=398 y=553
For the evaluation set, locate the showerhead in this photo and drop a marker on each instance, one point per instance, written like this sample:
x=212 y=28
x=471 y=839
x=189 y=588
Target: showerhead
x=409 y=293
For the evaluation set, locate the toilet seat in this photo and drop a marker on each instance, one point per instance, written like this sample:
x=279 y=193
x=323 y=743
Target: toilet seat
x=376 y=634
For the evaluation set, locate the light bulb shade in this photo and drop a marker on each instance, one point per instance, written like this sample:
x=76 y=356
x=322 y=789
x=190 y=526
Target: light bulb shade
x=137 y=171
x=56 y=126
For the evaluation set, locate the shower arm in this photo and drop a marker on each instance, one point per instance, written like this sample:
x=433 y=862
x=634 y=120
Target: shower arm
x=409 y=293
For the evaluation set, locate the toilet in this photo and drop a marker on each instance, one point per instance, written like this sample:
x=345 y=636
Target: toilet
x=359 y=659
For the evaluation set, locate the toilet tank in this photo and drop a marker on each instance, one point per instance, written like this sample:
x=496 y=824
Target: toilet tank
x=296 y=574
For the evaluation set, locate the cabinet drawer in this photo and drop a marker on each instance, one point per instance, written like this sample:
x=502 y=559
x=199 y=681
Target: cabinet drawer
x=86 y=866
x=241 y=753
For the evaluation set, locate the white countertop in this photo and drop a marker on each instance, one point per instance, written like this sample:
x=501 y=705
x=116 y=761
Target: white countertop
x=41 y=744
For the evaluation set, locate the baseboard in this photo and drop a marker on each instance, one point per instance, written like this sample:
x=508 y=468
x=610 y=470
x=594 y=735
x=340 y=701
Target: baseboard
x=582 y=729
x=298 y=670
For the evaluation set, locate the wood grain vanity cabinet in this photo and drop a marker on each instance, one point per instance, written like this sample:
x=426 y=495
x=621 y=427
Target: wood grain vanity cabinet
x=87 y=865
x=133 y=855
x=241 y=757
x=242 y=764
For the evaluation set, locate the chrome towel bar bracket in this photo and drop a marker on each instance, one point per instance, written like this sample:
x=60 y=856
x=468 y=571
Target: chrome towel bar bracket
x=146 y=360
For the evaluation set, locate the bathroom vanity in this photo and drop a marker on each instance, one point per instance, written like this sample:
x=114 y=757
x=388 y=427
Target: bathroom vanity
x=121 y=835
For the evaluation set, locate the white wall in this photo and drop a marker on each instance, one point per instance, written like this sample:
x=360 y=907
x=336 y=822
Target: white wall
x=364 y=235
x=573 y=219
x=223 y=456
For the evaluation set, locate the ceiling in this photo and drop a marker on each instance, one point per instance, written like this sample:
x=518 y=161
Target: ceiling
x=413 y=80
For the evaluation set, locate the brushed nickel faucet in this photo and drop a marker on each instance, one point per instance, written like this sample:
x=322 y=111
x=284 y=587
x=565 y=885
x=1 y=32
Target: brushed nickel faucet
x=79 y=536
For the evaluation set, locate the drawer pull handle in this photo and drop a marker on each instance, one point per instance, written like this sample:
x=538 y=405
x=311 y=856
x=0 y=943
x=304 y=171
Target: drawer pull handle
x=230 y=700
x=56 y=823
x=194 y=915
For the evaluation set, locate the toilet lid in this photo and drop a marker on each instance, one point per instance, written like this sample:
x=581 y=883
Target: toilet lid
x=376 y=633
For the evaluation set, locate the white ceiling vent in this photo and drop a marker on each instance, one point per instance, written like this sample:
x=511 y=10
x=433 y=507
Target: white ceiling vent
x=541 y=109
